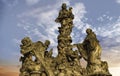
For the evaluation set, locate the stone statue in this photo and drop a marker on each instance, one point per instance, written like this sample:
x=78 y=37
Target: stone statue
x=36 y=49
x=37 y=60
x=26 y=45
x=28 y=65
x=90 y=50
x=65 y=16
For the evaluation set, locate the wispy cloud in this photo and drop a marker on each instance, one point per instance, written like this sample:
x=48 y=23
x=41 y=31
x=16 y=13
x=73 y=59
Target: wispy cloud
x=79 y=12
x=110 y=30
x=118 y=1
x=45 y=27
x=104 y=17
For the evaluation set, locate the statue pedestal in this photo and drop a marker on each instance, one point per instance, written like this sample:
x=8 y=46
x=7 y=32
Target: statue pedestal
x=35 y=73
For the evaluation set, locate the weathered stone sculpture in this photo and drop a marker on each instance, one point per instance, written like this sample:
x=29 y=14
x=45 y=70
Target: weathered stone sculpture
x=64 y=40
x=36 y=49
x=66 y=56
x=90 y=50
x=67 y=62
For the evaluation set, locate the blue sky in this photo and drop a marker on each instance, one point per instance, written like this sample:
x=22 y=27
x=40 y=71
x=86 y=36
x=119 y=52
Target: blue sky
x=35 y=18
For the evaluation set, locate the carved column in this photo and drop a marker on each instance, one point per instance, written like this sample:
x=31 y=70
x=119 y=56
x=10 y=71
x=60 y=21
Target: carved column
x=65 y=18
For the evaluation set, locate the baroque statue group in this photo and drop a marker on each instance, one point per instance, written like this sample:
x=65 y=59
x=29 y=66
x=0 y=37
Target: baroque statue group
x=37 y=60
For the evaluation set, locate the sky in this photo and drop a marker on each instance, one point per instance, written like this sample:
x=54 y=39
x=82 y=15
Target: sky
x=35 y=18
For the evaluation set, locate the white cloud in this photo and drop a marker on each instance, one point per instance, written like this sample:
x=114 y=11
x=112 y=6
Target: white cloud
x=115 y=71
x=118 y=1
x=79 y=13
x=32 y=2
x=109 y=30
x=104 y=17
x=55 y=52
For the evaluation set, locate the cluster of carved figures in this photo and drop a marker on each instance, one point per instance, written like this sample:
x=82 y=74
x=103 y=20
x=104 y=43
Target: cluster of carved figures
x=67 y=62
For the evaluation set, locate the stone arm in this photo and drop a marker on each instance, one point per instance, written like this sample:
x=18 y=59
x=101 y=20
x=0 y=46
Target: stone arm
x=26 y=49
x=71 y=16
x=81 y=50
x=58 y=19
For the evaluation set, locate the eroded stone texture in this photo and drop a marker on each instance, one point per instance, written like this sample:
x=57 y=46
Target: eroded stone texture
x=67 y=62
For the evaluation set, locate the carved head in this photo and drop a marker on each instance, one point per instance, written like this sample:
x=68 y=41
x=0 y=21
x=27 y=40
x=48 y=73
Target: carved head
x=26 y=41
x=47 y=42
x=70 y=8
x=88 y=31
x=64 y=6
